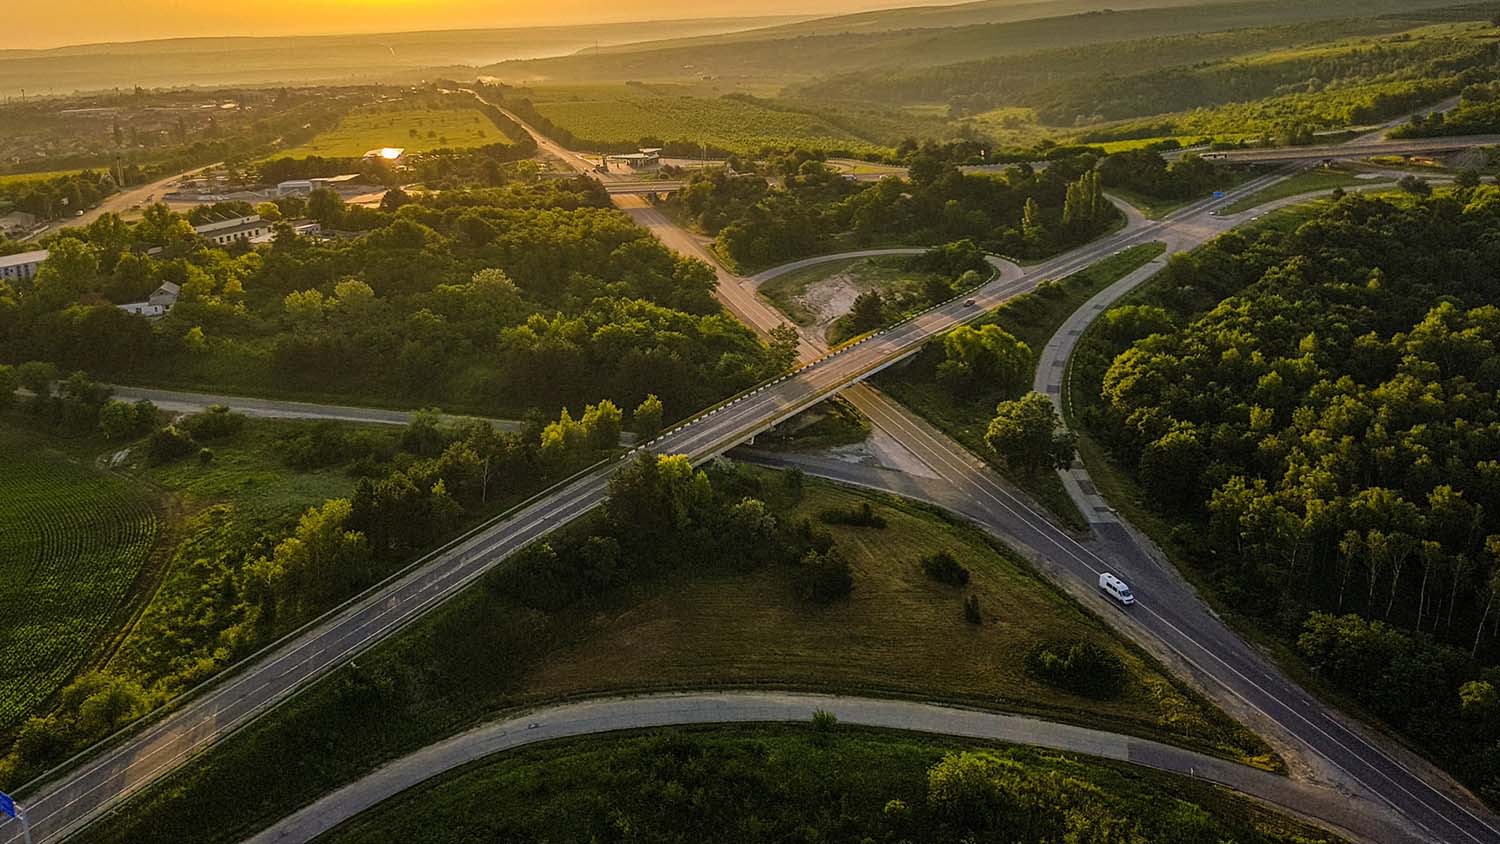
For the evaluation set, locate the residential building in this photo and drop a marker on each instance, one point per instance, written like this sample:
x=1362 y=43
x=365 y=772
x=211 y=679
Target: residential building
x=157 y=304
x=22 y=266
x=225 y=232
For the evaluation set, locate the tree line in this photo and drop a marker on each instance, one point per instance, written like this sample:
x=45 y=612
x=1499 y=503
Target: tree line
x=1021 y=212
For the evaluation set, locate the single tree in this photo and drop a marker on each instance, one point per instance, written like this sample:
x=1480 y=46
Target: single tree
x=1028 y=435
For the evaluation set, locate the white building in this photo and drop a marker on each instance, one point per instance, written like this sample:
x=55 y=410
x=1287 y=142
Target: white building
x=648 y=159
x=225 y=232
x=22 y=266
x=294 y=187
x=157 y=304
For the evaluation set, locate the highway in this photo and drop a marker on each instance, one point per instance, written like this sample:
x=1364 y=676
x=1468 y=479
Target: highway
x=86 y=788
x=604 y=715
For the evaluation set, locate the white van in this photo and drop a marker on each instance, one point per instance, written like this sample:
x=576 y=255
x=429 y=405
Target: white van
x=1115 y=588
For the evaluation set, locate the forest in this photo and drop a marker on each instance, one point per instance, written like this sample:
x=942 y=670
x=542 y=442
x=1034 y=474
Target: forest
x=497 y=299
x=1319 y=413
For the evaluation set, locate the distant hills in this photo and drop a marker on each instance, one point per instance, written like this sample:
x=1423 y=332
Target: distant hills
x=321 y=58
x=925 y=37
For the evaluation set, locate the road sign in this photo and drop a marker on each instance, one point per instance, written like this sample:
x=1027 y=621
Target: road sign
x=1218 y=194
x=7 y=805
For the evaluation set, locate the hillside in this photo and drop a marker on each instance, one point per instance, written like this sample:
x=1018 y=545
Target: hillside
x=825 y=48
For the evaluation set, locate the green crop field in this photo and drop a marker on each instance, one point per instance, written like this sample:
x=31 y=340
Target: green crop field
x=612 y=115
x=72 y=542
x=415 y=130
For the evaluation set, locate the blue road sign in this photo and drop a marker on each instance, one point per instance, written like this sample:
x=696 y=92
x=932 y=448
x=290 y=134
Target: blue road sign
x=1218 y=194
x=7 y=805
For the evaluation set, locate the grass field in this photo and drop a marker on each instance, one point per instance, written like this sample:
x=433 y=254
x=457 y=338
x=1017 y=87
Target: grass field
x=627 y=114
x=1319 y=179
x=775 y=783
x=73 y=542
x=1032 y=318
x=14 y=179
x=898 y=633
x=416 y=130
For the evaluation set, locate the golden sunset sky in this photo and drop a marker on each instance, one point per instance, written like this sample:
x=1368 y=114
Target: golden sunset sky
x=52 y=23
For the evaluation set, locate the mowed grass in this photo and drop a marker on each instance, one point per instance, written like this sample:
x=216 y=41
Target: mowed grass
x=898 y=633
x=415 y=129
x=73 y=542
x=625 y=115
x=1032 y=318
x=1308 y=181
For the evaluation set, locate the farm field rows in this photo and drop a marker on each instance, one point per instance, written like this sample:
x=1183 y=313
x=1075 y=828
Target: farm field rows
x=615 y=115
x=415 y=130
x=74 y=541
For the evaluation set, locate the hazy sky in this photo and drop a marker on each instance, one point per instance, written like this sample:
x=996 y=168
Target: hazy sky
x=51 y=23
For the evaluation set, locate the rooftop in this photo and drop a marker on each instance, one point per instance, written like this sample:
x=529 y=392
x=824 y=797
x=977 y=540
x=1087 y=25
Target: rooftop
x=23 y=258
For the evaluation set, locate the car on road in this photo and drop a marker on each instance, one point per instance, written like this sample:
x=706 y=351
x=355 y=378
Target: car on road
x=968 y=303
x=1115 y=588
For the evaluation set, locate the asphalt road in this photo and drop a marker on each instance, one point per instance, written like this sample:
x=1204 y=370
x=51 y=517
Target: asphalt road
x=605 y=715
x=85 y=788
x=1363 y=149
x=183 y=401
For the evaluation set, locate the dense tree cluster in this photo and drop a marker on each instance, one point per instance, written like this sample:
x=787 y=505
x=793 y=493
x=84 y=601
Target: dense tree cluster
x=1146 y=172
x=1327 y=405
x=1021 y=212
x=504 y=298
x=1477 y=113
x=58 y=196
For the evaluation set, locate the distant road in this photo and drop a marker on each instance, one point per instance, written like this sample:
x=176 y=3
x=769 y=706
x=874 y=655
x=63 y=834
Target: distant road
x=606 y=715
x=181 y=401
x=123 y=201
x=1362 y=149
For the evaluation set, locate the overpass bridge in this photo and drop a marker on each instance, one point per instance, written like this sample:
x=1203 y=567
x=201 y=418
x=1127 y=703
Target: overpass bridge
x=642 y=186
x=1330 y=152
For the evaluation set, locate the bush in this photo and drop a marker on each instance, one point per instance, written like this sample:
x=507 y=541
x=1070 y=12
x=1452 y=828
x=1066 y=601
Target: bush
x=943 y=568
x=205 y=456
x=823 y=578
x=169 y=444
x=216 y=423
x=1082 y=668
x=862 y=516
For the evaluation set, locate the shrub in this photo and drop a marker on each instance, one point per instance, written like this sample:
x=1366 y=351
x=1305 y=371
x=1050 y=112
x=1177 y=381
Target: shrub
x=943 y=568
x=824 y=721
x=1083 y=668
x=205 y=456
x=169 y=444
x=862 y=516
x=216 y=423
x=823 y=578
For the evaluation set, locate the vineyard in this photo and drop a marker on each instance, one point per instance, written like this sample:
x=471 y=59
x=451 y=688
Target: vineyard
x=73 y=542
x=600 y=117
